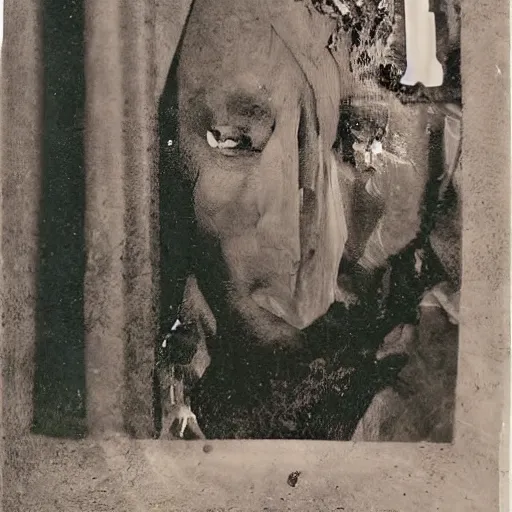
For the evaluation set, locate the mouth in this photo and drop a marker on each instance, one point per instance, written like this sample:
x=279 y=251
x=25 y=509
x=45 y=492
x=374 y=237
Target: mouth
x=263 y=327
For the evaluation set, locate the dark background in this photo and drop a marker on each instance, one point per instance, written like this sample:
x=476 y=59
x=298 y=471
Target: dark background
x=60 y=373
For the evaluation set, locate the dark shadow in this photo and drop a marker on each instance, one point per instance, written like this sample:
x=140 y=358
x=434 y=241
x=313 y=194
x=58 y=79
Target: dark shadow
x=59 y=393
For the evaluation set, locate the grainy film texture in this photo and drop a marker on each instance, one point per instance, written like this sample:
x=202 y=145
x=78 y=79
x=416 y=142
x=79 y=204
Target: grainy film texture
x=309 y=225
x=247 y=227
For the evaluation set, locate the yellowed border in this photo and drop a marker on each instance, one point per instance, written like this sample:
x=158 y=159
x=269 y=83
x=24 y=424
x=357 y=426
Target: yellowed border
x=252 y=475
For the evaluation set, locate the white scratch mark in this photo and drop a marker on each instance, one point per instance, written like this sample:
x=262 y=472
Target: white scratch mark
x=176 y=325
x=418 y=260
x=420 y=43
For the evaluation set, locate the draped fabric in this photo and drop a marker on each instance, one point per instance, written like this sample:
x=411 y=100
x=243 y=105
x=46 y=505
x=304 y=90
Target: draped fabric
x=254 y=206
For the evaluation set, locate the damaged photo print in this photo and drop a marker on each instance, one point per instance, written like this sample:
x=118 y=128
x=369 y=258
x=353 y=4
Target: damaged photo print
x=309 y=210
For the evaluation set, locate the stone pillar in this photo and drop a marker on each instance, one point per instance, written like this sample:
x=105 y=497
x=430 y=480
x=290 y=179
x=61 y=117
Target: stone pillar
x=20 y=184
x=21 y=71
x=121 y=216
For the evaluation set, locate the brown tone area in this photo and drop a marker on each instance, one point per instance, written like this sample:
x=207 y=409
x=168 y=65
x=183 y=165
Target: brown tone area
x=20 y=181
x=252 y=475
x=420 y=404
x=121 y=218
x=21 y=115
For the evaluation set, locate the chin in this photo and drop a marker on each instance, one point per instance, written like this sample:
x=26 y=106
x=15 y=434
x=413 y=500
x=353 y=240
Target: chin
x=261 y=328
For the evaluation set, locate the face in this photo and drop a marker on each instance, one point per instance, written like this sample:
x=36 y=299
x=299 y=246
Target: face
x=255 y=141
x=258 y=113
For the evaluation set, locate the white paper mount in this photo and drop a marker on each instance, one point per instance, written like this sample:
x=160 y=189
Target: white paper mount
x=420 y=39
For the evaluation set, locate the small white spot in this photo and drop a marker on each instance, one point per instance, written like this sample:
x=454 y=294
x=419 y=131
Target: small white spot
x=176 y=325
x=228 y=144
x=344 y=10
x=376 y=147
x=164 y=344
x=418 y=260
x=212 y=141
x=498 y=70
x=367 y=158
x=169 y=142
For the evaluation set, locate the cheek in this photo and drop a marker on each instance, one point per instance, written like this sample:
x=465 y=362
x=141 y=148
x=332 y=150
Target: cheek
x=225 y=193
x=227 y=215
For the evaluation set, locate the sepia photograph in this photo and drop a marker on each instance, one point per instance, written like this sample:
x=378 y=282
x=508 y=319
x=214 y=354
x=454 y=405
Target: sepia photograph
x=309 y=225
x=255 y=255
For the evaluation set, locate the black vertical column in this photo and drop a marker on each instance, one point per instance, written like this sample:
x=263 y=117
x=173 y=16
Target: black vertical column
x=59 y=383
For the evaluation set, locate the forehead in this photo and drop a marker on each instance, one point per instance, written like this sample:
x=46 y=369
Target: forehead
x=217 y=44
x=273 y=58
x=237 y=75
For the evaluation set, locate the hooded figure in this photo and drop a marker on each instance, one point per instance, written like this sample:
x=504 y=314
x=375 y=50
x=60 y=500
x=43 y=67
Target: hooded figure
x=257 y=207
x=257 y=97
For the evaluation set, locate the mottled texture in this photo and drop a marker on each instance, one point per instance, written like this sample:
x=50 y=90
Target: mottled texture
x=419 y=406
x=376 y=30
x=121 y=220
x=20 y=182
x=128 y=475
x=263 y=262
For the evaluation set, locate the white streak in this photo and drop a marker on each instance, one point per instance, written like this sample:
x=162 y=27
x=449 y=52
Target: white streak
x=228 y=144
x=420 y=38
x=376 y=147
x=212 y=141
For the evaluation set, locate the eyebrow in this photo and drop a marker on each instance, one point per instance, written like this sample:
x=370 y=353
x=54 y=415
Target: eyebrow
x=248 y=105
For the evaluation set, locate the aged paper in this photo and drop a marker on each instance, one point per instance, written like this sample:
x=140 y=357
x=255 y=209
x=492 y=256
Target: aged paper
x=244 y=267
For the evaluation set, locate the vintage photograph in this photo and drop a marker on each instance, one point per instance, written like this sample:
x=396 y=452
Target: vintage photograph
x=304 y=225
x=254 y=255
x=310 y=225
